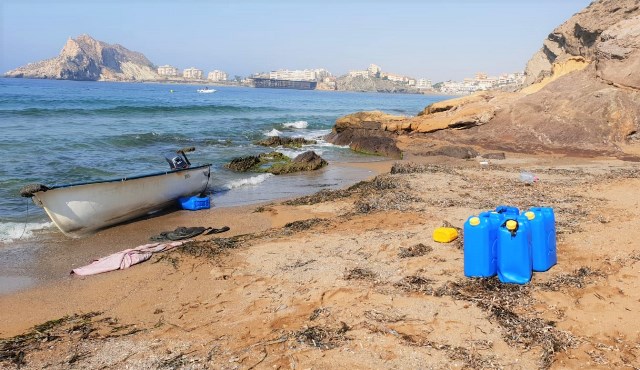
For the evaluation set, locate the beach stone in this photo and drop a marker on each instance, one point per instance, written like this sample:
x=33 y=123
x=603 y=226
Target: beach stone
x=307 y=161
x=496 y=155
x=368 y=132
x=461 y=152
x=287 y=142
x=243 y=164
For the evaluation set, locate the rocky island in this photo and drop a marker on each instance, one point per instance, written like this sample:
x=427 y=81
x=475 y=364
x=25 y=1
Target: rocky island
x=87 y=59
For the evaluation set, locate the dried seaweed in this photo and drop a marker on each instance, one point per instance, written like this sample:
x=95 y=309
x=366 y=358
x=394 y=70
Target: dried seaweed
x=302 y=225
x=414 y=251
x=322 y=196
x=359 y=273
x=578 y=279
x=416 y=284
x=470 y=359
x=323 y=337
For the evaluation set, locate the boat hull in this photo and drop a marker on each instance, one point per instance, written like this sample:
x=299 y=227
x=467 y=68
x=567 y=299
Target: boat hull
x=81 y=209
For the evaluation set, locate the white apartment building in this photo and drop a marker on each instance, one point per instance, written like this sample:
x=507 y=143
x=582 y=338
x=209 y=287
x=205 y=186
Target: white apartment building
x=374 y=70
x=424 y=83
x=394 y=77
x=297 y=75
x=192 y=73
x=167 y=70
x=216 y=75
x=364 y=73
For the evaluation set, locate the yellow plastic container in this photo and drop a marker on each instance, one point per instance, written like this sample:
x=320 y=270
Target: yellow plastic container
x=445 y=234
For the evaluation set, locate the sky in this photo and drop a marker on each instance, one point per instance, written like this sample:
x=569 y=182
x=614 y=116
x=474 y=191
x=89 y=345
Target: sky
x=435 y=39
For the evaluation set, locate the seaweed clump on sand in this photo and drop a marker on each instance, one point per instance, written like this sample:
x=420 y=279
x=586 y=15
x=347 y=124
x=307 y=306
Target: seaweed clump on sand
x=360 y=273
x=70 y=330
x=414 y=251
x=503 y=302
x=578 y=279
x=323 y=337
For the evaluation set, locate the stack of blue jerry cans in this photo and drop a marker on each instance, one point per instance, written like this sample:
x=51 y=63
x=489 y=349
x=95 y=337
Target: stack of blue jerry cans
x=509 y=243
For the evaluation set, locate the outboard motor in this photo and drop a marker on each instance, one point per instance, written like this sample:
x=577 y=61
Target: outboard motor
x=179 y=161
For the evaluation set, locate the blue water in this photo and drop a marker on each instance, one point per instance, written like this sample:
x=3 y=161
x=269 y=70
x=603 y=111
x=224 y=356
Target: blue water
x=57 y=132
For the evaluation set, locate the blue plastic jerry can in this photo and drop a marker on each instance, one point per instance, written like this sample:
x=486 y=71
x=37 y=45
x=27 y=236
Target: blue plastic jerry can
x=479 y=254
x=515 y=262
x=544 y=241
x=508 y=210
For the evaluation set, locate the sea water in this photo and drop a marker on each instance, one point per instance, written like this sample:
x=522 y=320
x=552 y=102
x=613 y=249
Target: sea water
x=57 y=132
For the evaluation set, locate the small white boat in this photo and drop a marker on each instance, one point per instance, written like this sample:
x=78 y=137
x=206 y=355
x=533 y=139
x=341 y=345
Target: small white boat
x=82 y=208
x=206 y=90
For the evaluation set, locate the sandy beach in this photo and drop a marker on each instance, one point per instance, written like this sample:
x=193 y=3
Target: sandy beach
x=352 y=278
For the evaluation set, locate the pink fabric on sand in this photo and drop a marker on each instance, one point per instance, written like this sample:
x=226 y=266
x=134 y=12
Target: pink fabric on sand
x=125 y=259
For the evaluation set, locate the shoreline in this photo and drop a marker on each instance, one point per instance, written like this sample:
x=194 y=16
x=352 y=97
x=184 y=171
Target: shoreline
x=326 y=281
x=42 y=250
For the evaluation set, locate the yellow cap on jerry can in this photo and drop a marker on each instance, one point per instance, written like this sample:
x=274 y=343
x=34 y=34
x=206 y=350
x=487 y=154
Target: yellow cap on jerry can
x=512 y=225
x=530 y=215
x=474 y=221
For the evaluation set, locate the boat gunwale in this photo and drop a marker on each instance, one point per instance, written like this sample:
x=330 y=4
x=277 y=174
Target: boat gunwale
x=123 y=179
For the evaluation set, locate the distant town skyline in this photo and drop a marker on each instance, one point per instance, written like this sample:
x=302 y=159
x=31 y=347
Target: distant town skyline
x=438 y=40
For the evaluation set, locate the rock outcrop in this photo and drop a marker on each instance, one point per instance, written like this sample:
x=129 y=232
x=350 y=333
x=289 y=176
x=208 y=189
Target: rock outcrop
x=368 y=132
x=307 y=161
x=287 y=142
x=363 y=84
x=582 y=94
x=277 y=163
x=87 y=59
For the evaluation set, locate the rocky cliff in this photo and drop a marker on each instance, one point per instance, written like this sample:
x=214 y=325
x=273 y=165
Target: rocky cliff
x=582 y=93
x=87 y=59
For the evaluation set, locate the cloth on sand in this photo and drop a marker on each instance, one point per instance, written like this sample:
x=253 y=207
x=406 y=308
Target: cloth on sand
x=179 y=233
x=125 y=259
x=186 y=232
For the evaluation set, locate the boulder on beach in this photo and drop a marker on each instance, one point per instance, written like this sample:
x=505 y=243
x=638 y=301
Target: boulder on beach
x=307 y=161
x=255 y=162
x=287 y=142
x=368 y=132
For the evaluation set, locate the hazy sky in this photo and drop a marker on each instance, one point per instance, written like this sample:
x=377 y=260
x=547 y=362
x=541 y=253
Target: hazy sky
x=435 y=39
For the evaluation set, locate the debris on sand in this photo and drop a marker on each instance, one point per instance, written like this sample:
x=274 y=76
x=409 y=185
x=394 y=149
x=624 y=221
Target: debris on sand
x=323 y=337
x=414 y=251
x=359 y=273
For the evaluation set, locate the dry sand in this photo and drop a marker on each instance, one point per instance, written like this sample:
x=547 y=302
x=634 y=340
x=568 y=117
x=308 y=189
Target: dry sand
x=353 y=279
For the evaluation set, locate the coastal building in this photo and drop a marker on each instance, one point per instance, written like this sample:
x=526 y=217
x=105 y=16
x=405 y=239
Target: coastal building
x=192 y=73
x=298 y=75
x=364 y=74
x=423 y=83
x=374 y=70
x=167 y=70
x=394 y=77
x=216 y=75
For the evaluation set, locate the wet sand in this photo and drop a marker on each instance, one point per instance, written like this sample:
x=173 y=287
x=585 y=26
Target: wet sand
x=326 y=281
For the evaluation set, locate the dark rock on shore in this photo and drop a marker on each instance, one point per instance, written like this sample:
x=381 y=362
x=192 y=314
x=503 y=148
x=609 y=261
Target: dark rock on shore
x=254 y=162
x=287 y=142
x=307 y=161
x=364 y=132
x=495 y=155
x=461 y=152
x=277 y=163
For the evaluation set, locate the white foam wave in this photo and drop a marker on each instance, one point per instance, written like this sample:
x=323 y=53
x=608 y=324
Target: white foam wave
x=290 y=153
x=273 y=132
x=296 y=124
x=255 y=180
x=10 y=231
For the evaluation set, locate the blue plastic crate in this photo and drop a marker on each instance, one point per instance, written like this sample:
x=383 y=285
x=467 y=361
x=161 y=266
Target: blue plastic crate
x=194 y=203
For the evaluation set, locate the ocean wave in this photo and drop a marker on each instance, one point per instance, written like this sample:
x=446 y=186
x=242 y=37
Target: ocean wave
x=296 y=124
x=132 y=110
x=273 y=132
x=146 y=138
x=10 y=231
x=255 y=180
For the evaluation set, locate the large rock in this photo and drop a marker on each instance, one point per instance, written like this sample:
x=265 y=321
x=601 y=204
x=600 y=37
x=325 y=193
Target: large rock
x=368 y=132
x=307 y=161
x=86 y=59
x=287 y=142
